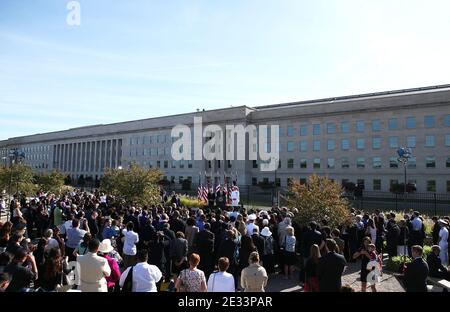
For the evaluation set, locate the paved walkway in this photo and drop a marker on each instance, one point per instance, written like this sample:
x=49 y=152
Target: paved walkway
x=389 y=282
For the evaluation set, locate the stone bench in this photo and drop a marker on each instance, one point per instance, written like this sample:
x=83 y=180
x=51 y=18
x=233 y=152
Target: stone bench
x=444 y=284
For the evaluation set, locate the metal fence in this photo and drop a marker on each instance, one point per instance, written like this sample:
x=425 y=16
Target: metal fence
x=426 y=203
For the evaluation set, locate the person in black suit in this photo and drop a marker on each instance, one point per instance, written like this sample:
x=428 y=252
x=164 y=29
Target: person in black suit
x=435 y=231
x=435 y=264
x=204 y=244
x=330 y=269
x=392 y=237
x=176 y=224
x=311 y=237
x=258 y=241
x=416 y=272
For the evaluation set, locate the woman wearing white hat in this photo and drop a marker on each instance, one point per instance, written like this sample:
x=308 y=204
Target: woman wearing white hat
x=443 y=241
x=104 y=250
x=267 y=257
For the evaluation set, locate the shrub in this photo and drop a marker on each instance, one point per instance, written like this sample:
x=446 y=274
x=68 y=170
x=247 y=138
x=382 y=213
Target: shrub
x=319 y=199
x=191 y=202
x=395 y=263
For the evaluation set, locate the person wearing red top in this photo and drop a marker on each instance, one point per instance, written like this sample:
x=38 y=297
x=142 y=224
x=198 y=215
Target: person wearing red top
x=104 y=249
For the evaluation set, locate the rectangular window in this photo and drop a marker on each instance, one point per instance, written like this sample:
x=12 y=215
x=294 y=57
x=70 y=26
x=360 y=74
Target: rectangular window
x=345 y=144
x=174 y=164
x=158 y=163
x=431 y=186
x=331 y=128
x=431 y=162
x=360 y=126
x=376 y=143
x=290 y=146
x=376 y=125
x=316 y=145
x=393 y=142
x=303 y=130
x=182 y=164
x=316 y=163
x=376 y=162
x=410 y=122
x=360 y=162
x=166 y=164
x=303 y=146
x=448 y=186
x=255 y=164
x=412 y=163
x=290 y=163
x=278 y=182
x=254 y=181
x=447 y=162
x=345 y=127
x=447 y=120
x=411 y=141
x=393 y=124
x=429 y=121
x=393 y=162
x=345 y=163
x=316 y=129
x=330 y=163
x=447 y=140
x=360 y=183
x=376 y=185
x=429 y=141
x=360 y=143
x=190 y=164
x=330 y=145
x=290 y=131
x=303 y=163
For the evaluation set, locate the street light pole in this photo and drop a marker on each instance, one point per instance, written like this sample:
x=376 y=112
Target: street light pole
x=404 y=154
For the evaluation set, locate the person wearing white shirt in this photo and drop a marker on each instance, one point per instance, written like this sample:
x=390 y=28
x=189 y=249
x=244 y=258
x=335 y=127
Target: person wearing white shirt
x=251 y=224
x=144 y=276
x=221 y=281
x=130 y=240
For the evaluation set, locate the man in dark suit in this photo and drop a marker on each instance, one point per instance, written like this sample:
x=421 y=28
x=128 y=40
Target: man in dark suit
x=176 y=224
x=330 y=269
x=204 y=243
x=258 y=241
x=416 y=272
x=435 y=265
x=311 y=237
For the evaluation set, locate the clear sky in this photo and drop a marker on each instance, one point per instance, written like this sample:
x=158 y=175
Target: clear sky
x=137 y=59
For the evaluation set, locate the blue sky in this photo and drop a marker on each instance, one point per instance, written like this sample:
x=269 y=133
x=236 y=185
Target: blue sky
x=137 y=59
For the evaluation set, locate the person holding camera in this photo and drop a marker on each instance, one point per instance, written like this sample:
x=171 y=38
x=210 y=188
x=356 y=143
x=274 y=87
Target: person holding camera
x=75 y=236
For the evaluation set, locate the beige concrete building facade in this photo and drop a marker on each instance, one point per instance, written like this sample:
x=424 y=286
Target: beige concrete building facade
x=353 y=138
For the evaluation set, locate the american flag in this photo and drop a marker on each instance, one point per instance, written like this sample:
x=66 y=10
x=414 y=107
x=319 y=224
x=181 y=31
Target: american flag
x=202 y=192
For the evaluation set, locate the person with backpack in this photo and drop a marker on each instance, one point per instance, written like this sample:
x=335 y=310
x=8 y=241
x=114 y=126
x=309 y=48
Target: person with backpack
x=141 y=277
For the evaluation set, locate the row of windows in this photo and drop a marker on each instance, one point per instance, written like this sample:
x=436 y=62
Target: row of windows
x=376 y=163
x=151 y=139
x=35 y=149
x=165 y=164
x=360 y=126
x=160 y=151
x=376 y=183
x=360 y=143
x=37 y=156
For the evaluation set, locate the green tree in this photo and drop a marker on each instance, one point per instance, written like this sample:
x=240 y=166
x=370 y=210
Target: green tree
x=134 y=186
x=51 y=182
x=17 y=178
x=318 y=199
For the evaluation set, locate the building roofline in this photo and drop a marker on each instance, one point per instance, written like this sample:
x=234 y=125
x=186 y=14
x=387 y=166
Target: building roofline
x=356 y=96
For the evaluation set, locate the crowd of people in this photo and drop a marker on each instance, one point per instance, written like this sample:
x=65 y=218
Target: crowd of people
x=88 y=242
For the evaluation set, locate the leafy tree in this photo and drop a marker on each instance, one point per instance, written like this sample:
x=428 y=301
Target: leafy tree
x=135 y=186
x=17 y=178
x=319 y=199
x=51 y=182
